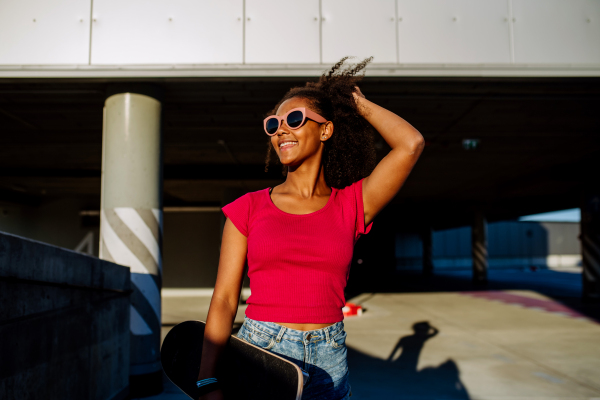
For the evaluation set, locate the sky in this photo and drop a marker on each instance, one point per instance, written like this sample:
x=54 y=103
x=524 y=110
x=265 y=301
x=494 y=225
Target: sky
x=571 y=215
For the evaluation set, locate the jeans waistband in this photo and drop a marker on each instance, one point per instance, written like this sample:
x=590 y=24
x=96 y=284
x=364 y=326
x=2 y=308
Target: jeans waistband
x=280 y=331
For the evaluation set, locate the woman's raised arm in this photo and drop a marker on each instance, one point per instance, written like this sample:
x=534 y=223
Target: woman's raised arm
x=389 y=175
x=224 y=302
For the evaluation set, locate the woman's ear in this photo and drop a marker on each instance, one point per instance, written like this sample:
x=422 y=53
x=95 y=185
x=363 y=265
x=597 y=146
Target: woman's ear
x=326 y=130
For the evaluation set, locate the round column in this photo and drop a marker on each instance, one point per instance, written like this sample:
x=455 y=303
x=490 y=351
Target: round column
x=131 y=219
x=479 y=248
x=590 y=244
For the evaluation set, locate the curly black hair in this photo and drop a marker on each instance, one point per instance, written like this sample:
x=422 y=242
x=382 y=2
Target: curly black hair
x=349 y=155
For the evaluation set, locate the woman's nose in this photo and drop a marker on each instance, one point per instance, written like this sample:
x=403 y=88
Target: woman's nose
x=280 y=131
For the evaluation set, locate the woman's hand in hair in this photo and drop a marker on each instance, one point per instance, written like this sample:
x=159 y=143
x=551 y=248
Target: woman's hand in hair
x=357 y=93
x=359 y=99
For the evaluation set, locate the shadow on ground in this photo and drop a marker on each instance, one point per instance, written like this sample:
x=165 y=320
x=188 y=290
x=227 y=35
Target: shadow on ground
x=563 y=287
x=398 y=377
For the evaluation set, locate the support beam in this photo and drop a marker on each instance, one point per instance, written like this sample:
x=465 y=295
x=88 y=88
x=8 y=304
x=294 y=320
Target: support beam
x=479 y=247
x=590 y=244
x=131 y=219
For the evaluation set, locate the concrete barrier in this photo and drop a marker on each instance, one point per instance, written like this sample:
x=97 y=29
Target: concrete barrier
x=64 y=323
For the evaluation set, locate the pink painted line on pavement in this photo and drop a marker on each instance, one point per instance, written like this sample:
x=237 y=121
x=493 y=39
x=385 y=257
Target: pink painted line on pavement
x=528 y=302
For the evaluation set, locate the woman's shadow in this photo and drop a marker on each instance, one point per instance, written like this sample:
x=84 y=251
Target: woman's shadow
x=399 y=378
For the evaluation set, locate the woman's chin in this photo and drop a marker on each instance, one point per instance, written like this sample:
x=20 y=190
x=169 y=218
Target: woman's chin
x=287 y=161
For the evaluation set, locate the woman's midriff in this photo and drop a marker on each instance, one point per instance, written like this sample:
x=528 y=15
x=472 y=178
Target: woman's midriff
x=303 y=327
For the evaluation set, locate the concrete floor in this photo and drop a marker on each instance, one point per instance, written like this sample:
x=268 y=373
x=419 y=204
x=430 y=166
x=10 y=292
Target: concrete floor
x=488 y=345
x=482 y=349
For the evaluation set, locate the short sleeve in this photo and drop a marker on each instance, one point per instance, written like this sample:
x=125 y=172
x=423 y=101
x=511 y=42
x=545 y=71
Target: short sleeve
x=360 y=210
x=238 y=212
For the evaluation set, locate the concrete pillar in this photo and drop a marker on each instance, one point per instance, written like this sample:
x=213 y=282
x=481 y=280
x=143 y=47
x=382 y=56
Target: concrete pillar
x=590 y=244
x=479 y=247
x=131 y=219
x=427 y=239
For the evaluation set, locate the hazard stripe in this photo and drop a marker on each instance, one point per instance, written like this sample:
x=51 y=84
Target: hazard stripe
x=590 y=249
x=133 y=242
x=132 y=219
x=117 y=248
x=153 y=222
x=137 y=325
x=104 y=253
x=147 y=286
x=131 y=237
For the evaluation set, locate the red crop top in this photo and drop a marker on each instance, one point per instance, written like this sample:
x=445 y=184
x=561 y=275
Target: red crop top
x=298 y=265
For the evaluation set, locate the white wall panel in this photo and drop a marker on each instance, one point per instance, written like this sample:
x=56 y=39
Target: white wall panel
x=167 y=31
x=282 y=31
x=359 y=28
x=457 y=31
x=44 y=32
x=557 y=31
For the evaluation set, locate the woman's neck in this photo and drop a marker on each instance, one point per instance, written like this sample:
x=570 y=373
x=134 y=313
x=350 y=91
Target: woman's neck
x=306 y=182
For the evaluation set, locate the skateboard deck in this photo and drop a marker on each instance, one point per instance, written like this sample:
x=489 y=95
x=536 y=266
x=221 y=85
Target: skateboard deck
x=245 y=371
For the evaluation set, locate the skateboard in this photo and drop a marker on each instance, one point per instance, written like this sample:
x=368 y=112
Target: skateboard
x=245 y=371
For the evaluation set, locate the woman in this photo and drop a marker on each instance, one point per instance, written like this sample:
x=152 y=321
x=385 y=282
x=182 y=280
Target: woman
x=298 y=237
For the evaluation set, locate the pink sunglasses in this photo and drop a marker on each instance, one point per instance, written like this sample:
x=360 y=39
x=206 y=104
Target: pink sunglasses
x=294 y=118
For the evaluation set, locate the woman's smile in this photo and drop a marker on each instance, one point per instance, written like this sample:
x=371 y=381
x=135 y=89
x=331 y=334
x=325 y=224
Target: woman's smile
x=287 y=144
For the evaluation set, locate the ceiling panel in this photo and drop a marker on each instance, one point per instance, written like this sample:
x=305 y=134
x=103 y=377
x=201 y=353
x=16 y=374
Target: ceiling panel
x=282 y=31
x=459 y=31
x=351 y=29
x=44 y=32
x=167 y=32
x=557 y=31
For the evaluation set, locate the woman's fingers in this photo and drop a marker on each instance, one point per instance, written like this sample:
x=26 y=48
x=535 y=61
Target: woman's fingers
x=357 y=92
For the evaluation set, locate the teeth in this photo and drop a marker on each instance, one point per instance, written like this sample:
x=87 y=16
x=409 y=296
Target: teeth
x=287 y=144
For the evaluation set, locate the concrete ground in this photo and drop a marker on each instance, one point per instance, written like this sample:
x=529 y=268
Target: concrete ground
x=485 y=345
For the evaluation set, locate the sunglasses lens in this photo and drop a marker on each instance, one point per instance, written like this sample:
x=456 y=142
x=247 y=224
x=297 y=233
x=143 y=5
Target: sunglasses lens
x=272 y=125
x=294 y=119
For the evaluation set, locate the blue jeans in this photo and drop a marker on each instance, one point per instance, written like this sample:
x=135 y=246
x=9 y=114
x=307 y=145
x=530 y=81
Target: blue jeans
x=321 y=354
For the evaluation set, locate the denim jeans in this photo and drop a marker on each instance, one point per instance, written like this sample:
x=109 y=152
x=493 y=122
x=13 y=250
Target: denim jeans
x=321 y=354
